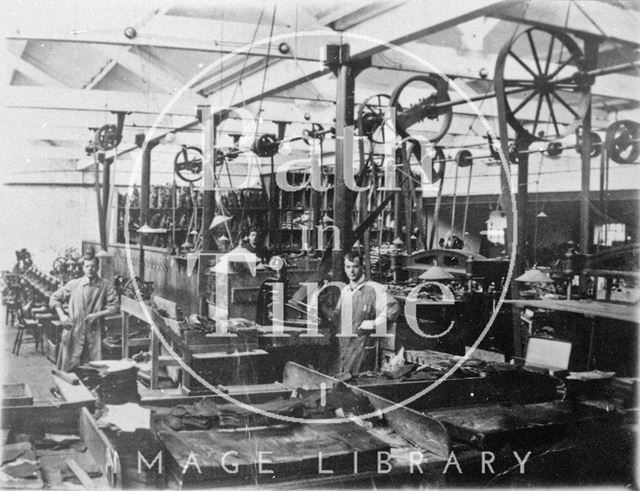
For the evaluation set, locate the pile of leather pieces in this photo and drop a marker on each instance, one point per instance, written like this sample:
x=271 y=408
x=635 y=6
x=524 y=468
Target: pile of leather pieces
x=20 y=468
x=208 y=414
x=113 y=387
x=36 y=461
x=412 y=371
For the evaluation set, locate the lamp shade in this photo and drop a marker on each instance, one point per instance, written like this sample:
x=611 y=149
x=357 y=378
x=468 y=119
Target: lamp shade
x=534 y=275
x=146 y=229
x=327 y=220
x=218 y=220
x=436 y=273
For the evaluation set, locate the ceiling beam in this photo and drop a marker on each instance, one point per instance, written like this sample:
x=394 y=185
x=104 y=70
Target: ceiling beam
x=356 y=11
x=20 y=149
x=98 y=100
x=468 y=65
x=119 y=55
x=600 y=19
x=40 y=117
x=211 y=84
x=104 y=71
x=189 y=34
x=35 y=74
x=419 y=19
x=32 y=132
x=145 y=66
x=284 y=74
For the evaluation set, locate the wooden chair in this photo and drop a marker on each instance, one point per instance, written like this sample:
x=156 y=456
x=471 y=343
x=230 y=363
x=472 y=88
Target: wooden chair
x=29 y=326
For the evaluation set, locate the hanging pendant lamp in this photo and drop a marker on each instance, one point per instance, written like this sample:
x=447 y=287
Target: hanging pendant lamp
x=534 y=275
x=436 y=273
x=219 y=220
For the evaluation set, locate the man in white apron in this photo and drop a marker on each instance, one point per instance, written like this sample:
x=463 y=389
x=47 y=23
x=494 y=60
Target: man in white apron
x=90 y=299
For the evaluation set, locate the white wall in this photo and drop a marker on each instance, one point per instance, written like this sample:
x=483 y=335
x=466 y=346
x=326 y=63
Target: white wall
x=46 y=220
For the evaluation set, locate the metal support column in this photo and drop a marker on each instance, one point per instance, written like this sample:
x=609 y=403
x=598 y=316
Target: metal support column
x=591 y=62
x=343 y=200
x=145 y=182
x=106 y=187
x=522 y=201
x=209 y=194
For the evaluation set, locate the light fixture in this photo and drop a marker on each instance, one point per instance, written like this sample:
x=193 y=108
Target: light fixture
x=534 y=275
x=277 y=263
x=436 y=273
x=542 y=214
x=147 y=230
x=219 y=220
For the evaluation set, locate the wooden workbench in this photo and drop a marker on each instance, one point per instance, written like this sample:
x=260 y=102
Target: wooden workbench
x=588 y=308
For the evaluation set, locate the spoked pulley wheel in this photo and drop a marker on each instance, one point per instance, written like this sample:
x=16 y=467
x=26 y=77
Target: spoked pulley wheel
x=370 y=118
x=421 y=107
x=188 y=164
x=541 y=76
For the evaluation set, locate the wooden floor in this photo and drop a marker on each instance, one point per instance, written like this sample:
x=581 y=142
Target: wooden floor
x=30 y=368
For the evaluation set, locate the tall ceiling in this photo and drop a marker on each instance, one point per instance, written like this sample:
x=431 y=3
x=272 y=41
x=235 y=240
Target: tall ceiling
x=70 y=64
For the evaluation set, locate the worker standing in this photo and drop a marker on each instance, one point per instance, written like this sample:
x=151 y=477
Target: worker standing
x=361 y=310
x=254 y=244
x=90 y=299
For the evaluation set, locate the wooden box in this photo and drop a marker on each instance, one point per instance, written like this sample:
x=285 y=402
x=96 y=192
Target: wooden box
x=16 y=395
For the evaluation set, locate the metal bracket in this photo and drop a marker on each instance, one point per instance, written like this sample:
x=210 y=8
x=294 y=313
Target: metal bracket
x=338 y=55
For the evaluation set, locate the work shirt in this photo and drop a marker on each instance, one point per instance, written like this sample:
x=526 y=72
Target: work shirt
x=359 y=302
x=82 y=343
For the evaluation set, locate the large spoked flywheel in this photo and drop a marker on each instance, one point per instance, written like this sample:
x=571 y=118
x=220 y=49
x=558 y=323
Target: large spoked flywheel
x=541 y=76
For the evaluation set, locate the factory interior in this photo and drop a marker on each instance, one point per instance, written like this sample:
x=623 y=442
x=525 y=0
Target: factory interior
x=319 y=244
